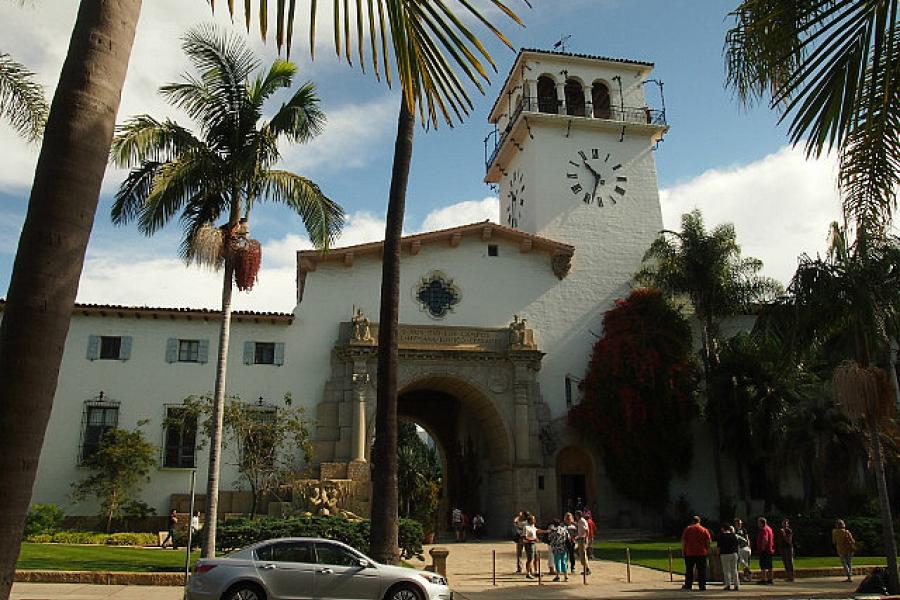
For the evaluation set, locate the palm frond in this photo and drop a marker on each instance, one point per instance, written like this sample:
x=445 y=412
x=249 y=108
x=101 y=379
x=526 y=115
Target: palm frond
x=174 y=184
x=301 y=118
x=143 y=138
x=22 y=101
x=322 y=217
x=132 y=194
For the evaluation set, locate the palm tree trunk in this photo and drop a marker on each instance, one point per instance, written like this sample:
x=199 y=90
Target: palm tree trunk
x=715 y=425
x=385 y=520
x=887 y=523
x=218 y=415
x=51 y=251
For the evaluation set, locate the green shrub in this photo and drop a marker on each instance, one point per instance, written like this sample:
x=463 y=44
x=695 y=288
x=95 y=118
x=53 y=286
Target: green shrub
x=812 y=535
x=238 y=533
x=43 y=518
x=92 y=537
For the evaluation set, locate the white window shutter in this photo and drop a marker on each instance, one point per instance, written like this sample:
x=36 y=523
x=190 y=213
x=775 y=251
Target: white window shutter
x=93 y=349
x=249 y=352
x=172 y=350
x=203 y=355
x=125 y=348
x=279 y=353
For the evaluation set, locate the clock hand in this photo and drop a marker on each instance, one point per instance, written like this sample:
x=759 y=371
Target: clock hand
x=590 y=168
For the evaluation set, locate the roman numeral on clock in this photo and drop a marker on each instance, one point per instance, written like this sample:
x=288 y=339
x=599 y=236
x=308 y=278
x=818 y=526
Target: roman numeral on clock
x=572 y=175
x=620 y=190
x=576 y=189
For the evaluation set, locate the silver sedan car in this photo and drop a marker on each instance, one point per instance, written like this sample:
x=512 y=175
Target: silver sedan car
x=308 y=569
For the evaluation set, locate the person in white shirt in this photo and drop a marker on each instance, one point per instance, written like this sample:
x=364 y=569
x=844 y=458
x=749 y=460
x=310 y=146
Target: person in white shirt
x=195 y=529
x=582 y=534
x=530 y=543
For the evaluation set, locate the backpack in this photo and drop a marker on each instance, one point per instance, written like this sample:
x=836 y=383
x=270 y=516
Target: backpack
x=874 y=583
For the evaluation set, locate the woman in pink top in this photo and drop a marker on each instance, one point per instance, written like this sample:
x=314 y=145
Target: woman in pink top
x=765 y=545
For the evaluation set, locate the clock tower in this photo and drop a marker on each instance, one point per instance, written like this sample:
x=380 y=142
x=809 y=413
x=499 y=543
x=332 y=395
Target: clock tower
x=572 y=153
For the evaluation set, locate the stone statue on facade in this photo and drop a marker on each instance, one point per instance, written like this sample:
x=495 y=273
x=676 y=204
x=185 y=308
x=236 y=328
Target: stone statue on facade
x=360 y=332
x=518 y=335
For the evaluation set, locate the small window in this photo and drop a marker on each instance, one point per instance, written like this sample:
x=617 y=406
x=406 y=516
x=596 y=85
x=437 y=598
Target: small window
x=99 y=416
x=188 y=350
x=540 y=482
x=263 y=353
x=493 y=250
x=181 y=438
x=332 y=554
x=109 y=347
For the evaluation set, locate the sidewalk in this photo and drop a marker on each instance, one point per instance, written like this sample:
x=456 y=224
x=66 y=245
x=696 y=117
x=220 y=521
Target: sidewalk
x=470 y=574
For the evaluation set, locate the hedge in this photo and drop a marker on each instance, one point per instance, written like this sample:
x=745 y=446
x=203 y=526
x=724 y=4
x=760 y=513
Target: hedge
x=92 y=537
x=237 y=533
x=812 y=535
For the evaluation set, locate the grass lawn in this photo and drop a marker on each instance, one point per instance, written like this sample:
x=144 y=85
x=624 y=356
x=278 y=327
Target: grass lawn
x=654 y=554
x=64 y=557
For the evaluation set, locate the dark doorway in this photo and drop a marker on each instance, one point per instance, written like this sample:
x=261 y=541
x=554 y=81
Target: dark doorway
x=573 y=491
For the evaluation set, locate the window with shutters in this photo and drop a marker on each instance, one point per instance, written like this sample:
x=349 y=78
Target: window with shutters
x=264 y=353
x=109 y=347
x=99 y=416
x=180 y=444
x=188 y=350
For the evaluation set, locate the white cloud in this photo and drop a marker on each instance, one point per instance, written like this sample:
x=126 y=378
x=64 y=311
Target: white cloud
x=781 y=206
x=463 y=213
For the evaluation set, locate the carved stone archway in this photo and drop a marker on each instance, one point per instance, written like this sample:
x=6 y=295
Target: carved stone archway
x=490 y=375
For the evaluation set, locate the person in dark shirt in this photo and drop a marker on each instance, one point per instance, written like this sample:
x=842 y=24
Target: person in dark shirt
x=728 y=554
x=786 y=547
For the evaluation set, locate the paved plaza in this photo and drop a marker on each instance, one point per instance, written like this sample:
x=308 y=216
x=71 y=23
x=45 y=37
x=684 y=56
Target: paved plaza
x=471 y=577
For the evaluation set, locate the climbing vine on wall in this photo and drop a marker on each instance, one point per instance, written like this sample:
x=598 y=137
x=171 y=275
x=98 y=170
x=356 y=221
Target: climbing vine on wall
x=638 y=396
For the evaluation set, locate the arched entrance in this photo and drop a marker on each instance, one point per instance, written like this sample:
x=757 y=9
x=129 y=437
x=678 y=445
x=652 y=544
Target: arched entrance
x=471 y=438
x=575 y=479
x=474 y=390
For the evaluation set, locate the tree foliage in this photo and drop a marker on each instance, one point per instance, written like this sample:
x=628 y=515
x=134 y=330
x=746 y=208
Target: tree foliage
x=22 y=101
x=639 y=396
x=419 y=476
x=116 y=470
x=267 y=444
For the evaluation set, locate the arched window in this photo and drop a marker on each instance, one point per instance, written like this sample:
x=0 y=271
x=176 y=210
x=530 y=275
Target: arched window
x=546 y=90
x=574 y=98
x=600 y=99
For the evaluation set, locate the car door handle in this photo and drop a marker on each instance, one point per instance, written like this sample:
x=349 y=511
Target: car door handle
x=269 y=567
x=325 y=571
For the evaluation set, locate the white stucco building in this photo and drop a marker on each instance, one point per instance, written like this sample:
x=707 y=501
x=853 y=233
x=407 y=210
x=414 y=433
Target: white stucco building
x=574 y=162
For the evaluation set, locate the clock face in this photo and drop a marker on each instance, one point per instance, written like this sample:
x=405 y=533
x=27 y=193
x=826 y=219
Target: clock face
x=515 y=198
x=595 y=176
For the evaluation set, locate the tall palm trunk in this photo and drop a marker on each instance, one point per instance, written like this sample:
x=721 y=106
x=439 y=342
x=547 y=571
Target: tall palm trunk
x=51 y=250
x=218 y=418
x=887 y=527
x=706 y=338
x=385 y=520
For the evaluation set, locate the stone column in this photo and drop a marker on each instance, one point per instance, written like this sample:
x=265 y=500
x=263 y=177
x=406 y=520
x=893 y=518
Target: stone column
x=561 y=97
x=529 y=91
x=588 y=101
x=358 y=437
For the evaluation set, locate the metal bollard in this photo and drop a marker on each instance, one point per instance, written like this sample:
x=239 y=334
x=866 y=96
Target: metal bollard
x=537 y=554
x=494 y=569
x=671 y=575
x=628 y=564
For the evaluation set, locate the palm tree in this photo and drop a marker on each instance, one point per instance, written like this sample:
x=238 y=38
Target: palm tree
x=707 y=269
x=833 y=68
x=855 y=292
x=22 y=101
x=52 y=244
x=220 y=174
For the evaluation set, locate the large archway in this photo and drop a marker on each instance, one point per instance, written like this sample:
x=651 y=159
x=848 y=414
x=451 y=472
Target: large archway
x=473 y=443
x=575 y=479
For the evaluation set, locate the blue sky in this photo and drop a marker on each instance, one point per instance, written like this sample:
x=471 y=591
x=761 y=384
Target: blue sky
x=727 y=160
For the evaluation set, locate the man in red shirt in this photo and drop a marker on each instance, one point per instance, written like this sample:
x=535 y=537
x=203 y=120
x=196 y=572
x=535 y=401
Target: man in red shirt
x=694 y=547
x=765 y=545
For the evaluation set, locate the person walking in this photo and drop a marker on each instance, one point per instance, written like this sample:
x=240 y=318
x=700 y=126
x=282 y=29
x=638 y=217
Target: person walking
x=786 y=548
x=592 y=532
x=458 y=523
x=519 y=523
x=572 y=530
x=765 y=545
x=478 y=526
x=695 y=547
x=195 y=529
x=558 y=537
x=171 y=524
x=845 y=545
x=581 y=539
x=728 y=556
x=743 y=549
x=530 y=539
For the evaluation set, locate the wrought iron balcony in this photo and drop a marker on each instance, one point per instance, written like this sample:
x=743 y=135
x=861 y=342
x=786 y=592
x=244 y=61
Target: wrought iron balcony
x=623 y=114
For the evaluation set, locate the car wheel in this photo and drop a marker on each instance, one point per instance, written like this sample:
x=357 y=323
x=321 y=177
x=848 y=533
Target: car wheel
x=404 y=592
x=245 y=591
